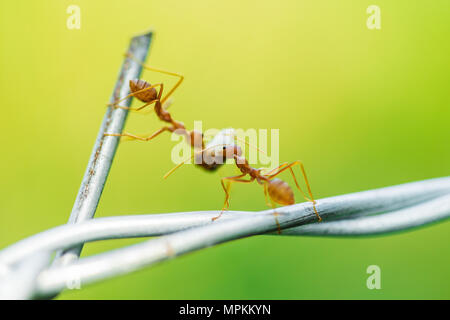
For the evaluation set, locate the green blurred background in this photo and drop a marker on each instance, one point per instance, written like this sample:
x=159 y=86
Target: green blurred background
x=362 y=108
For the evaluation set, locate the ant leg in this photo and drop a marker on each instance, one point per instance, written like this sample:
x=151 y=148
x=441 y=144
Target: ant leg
x=135 y=109
x=284 y=167
x=180 y=80
x=226 y=188
x=272 y=205
x=289 y=166
x=277 y=168
x=133 y=136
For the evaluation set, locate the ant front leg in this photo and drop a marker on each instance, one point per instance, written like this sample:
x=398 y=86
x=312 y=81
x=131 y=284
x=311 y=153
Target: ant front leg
x=136 y=137
x=226 y=188
x=165 y=106
x=286 y=166
x=137 y=110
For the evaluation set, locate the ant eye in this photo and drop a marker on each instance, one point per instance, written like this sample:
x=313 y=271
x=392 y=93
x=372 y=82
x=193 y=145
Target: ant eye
x=224 y=148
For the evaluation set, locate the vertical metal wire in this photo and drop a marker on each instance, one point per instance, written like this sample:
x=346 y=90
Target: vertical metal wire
x=105 y=147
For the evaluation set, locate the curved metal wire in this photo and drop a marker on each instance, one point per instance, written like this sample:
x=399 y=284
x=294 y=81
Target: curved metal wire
x=371 y=212
x=129 y=259
x=387 y=199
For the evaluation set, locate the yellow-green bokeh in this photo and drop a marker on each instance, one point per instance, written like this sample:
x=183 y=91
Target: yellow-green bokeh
x=362 y=108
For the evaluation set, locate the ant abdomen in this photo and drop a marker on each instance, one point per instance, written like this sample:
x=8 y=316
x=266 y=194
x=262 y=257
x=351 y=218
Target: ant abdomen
x=145 y=96
x=280 y=192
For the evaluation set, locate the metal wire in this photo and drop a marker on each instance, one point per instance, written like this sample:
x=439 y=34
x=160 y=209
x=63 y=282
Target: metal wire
x=400 y=220
x=105 y=147
x=129 y=259
x=425 y=204
x=364 y=213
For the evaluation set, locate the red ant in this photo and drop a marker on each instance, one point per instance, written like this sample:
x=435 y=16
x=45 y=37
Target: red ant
x=147 y=93
x=275 y=190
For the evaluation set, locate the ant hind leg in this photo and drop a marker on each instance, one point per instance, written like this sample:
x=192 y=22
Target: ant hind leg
x=137 y=110
x=136 y=137
x=284 y=167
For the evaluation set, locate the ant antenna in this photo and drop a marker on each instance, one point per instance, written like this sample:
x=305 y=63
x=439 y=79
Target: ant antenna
x=249 y=144
x=244 y=141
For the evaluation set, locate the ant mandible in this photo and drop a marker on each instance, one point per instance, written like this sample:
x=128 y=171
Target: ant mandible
x=275 y=190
